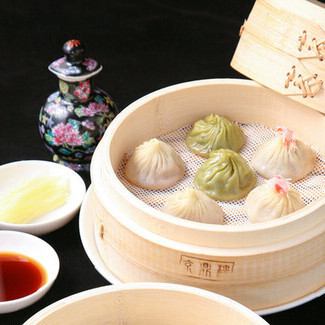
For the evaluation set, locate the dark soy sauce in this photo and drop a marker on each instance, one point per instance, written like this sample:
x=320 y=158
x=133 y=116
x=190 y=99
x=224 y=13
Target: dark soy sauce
x=19 y=276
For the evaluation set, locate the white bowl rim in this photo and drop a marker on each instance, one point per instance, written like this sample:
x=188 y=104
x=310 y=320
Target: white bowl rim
x=147 y=286
x=49 y=280
x=76 y=205
x=161 y=216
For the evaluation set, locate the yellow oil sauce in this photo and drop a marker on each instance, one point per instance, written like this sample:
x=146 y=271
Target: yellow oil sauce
x=33 y=198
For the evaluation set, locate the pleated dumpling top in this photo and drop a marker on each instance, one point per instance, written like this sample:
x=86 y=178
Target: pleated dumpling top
x=194 y=205
x=285 y=156
x=225 y=176
x=212 y=133
x=154 y=165
x=272 y=200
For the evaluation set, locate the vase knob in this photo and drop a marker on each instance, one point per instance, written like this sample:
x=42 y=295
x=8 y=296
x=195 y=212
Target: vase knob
x=74 y=51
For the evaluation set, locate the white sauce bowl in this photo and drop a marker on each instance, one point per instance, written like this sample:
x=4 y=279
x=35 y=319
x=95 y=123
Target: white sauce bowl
x=36 y=249
x=16 y=173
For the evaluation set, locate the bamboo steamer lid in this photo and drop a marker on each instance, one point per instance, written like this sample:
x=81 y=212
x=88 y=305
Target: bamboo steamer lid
x=282 y=46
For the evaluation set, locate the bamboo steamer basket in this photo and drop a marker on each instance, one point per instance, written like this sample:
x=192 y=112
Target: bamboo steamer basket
x=282 y=46
x=260 y=265
x=146 y=303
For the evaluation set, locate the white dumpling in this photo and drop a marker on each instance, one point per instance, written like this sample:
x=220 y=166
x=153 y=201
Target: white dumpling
x=284 y=155
x=194 y=205
x=154 y=165
x=272 y=200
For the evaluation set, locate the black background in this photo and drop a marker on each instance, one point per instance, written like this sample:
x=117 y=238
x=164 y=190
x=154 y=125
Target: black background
x=143 y=46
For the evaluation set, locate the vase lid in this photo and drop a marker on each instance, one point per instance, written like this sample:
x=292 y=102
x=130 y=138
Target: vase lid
x=74 y=66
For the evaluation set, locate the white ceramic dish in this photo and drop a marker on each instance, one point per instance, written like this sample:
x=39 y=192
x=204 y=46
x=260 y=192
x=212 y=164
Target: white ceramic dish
x=87 y=226
x=146 y=303
x=40 y=251
x=20 y=171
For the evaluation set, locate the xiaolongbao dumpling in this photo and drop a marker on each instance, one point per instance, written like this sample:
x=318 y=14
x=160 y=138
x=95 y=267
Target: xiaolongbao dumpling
x=194 y=205
x=212 y=133
x=154 y=165
x=285 y=156
x=225 y=176
x=272 y=200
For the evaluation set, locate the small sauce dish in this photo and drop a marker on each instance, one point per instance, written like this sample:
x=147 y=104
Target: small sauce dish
x=21 y=252
x=15 y=173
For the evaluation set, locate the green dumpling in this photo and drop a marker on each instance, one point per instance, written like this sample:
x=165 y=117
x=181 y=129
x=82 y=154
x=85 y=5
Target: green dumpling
x=212 y=133
x=225 y=176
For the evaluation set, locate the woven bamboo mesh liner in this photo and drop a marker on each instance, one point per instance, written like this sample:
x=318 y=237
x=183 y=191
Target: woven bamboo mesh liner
x=310 y=188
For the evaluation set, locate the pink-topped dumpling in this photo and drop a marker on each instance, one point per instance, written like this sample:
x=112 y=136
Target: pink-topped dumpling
x=272 y=200
x=284 y=155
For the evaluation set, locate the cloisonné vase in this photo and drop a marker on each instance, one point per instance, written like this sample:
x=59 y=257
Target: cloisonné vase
x=74 y=119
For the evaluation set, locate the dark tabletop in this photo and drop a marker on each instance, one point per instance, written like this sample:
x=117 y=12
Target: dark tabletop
x=143 y=46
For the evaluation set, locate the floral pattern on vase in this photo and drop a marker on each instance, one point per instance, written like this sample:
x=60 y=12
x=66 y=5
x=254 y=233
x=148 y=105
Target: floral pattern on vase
x=82 y=91
x=71 y=129
x=90 y=64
